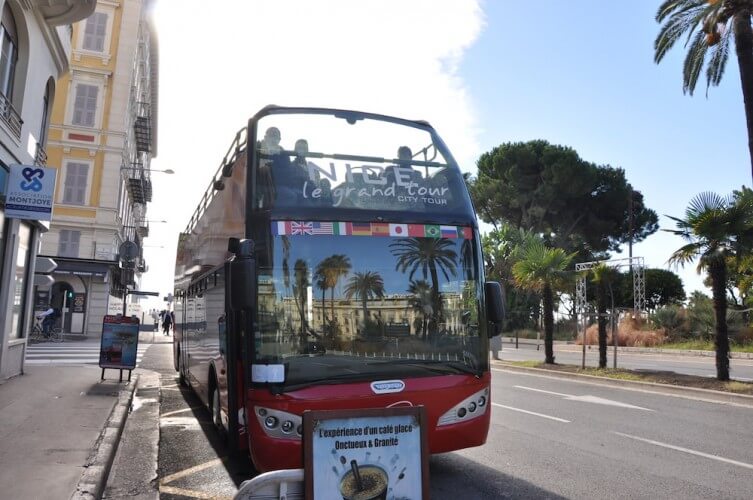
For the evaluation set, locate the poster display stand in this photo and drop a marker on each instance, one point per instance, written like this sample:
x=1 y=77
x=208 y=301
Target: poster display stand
x=119 y=344
x=366 y=454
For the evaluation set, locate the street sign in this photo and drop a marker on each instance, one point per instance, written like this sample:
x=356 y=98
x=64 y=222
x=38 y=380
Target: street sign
x=45 y=265
x=128 y=251
x=43 y=280
x=30 y=192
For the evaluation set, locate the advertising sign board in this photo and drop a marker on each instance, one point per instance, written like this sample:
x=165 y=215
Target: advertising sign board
x=366 y=454
x=120 y=339
x=79 y=302
x=30 y=191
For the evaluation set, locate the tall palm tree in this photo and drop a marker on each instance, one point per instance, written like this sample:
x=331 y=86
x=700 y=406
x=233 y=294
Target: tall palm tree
x=542 y=269
x=300 y=290
x=715 y=228
x=429 y=255
x=320 y=281
x=365 y=286
x=421 y=302
x=604 y=276
x=336 y=267
x=328 y=273
x=708 y=26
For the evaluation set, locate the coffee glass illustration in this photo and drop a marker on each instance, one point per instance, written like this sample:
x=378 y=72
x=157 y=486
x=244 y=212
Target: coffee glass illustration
x=374 y=482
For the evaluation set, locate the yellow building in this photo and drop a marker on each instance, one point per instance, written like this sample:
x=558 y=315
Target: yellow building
x=102 y=138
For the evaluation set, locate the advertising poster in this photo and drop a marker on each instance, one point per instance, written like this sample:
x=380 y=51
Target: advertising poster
x=79 y=302
x=30 y=191
x=120 y=338
x=368 y=454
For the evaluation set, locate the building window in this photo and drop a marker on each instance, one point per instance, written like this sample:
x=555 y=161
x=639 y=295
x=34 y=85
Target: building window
x=76 y=180
x=68 y=243
x=8 y=52
x=85 y=105
x=19 y=288
x=94 y=32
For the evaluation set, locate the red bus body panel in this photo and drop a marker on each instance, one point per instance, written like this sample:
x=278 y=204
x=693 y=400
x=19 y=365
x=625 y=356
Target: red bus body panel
x=437 y=394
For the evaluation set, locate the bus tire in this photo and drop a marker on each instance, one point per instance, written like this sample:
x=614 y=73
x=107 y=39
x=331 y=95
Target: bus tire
x=181 y=375
x=215 y=407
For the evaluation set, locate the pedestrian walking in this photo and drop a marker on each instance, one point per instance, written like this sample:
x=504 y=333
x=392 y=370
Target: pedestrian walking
x=167 y=321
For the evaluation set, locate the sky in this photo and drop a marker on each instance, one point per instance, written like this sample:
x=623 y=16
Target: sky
x=577 y=73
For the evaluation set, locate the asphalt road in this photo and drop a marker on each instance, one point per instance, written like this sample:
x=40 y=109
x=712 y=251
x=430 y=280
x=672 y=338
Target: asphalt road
x=550 y=438
x=740 y=369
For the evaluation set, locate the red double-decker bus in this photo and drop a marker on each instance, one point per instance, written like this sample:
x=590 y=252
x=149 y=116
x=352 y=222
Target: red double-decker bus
x=334 y=262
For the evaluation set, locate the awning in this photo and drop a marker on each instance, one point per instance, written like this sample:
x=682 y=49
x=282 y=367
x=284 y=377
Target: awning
x=84 y=267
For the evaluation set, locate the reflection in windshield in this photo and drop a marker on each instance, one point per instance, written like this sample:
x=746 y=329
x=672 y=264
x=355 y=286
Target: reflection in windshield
x=389 y=298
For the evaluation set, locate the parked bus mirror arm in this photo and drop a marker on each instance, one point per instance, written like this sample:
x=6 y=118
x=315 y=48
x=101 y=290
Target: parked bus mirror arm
x=495 y=307
x=242 y=274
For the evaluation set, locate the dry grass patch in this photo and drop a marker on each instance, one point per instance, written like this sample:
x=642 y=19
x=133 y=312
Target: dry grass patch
x=631 y=332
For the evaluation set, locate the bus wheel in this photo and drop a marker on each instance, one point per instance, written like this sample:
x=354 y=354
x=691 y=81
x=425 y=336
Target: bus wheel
x=216 y=410
x=181 y=376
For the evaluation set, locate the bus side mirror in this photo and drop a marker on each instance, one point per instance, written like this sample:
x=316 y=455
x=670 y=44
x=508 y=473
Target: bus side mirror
x=495 y=307
x=241 y=274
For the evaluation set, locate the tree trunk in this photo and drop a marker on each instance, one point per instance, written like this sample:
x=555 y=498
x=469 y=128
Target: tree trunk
x=548 y=324
x=718 y=271
x=744 y=51
x=601 y=306
x=436 y=302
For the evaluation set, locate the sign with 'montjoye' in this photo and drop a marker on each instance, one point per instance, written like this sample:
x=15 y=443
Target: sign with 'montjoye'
x=30 y=192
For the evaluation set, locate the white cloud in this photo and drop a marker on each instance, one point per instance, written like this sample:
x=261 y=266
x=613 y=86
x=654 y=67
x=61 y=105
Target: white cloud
x=219 y=64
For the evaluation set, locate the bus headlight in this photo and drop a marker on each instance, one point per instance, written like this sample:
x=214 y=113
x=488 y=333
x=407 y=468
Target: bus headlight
x=278 y=424
x=471 y=407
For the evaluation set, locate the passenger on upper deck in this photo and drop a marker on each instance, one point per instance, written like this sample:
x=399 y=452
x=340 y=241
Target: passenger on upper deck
x=401 y=174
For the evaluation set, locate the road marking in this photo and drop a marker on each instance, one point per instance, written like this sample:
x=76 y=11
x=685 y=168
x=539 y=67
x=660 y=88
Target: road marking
x=191 y=470
x=532 y=413
x=686 y=450
x=586 y=399
x=178 y=411
x=172 y=490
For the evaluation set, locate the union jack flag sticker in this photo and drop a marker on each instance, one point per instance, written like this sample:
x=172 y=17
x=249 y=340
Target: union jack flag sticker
x=301 y=228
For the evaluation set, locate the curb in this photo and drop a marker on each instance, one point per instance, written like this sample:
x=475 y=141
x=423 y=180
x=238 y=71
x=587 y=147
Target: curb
x=97 y=467
x=708 y=395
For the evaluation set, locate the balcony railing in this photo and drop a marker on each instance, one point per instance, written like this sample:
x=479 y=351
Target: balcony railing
x=139 y=184
x=40 y=158
x=10 y=116
x=142 y=127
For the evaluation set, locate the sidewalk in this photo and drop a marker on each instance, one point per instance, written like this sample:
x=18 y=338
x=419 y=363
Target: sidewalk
x=60 y=427
x=561 y=345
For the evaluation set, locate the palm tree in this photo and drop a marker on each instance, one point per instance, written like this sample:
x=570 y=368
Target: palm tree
x=421 y=302
x=710 y=24
x=300 y=290
x=715 y=228
x=542 y=269
x=336 y=267
x=429 y=255
x=320 y=280
x=603 y=276
x=365 y=286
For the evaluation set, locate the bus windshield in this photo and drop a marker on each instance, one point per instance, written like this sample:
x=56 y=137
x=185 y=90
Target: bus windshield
x=338 y=305
x=338 y=161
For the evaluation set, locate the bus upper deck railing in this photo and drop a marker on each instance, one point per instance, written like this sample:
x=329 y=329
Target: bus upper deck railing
x=236 y=148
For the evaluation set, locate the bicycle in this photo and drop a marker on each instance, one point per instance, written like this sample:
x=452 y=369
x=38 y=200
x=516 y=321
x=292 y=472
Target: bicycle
x=37 y=333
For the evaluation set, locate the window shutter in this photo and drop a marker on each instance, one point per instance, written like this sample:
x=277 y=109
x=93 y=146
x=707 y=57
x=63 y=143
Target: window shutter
x=76 y=177
x=69 y=243
x=94 y=32
x=85 y=105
